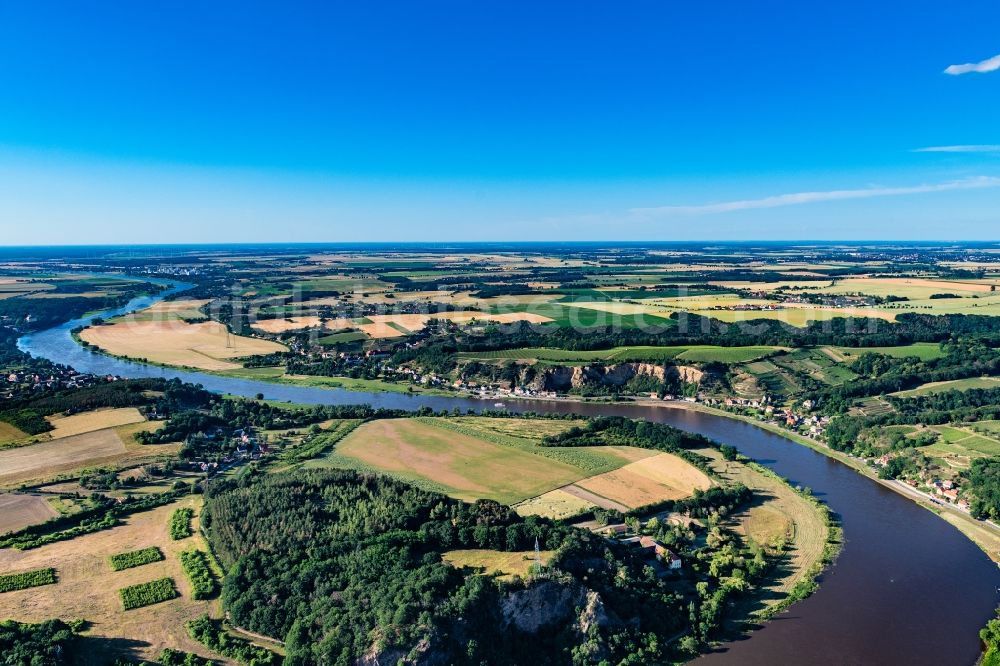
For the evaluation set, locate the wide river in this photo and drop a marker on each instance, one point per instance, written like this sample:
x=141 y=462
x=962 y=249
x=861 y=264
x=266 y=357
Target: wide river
x=908 y=588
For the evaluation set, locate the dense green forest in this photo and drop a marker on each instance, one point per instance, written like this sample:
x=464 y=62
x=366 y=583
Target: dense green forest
x=49 y=643
x=341 y=565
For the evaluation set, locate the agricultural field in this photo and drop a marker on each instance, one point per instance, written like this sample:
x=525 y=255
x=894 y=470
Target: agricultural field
x=98 y=419
x=925 y=351
x=10 y=434
x=465 y=467
x=206 y=345
x=698 y=353
x=60 y=454
x=505 y=565
x=88 y=588
x=179 y=526
x=660 y=477
x=343 y=338
x=770 y=378
x=178 y=310
x=515 y=434
x=873 y=406
x=816 y=364
x=198 y=570
x=11 y=286
x=556 y=504
x=966 y=438
x=275 y=326
x=914 y=289
x=472 y=458
x=45 y=459
x=19 y=510
x=954 y=385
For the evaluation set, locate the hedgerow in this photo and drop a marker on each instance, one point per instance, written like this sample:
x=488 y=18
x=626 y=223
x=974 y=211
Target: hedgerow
x=146 y=594
x=180 y=523
x=135 y=558
x=195 y=564
x=26 y=579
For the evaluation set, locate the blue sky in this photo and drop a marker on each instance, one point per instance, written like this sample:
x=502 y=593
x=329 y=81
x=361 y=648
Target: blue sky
x=336 y=121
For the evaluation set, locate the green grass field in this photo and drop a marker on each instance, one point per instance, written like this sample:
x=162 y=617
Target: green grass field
x=816 y=364
x=567 y=315
x=955 y=385
x=965 y=438
x=343 y=338
x=925 y=351
x=694 y=354
x=465 y=467
x=472 y=457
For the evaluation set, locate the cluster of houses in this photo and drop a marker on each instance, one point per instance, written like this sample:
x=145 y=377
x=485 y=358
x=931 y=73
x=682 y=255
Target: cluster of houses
x=491 y=391
x=247 y=446
x=941 y=489
x=16 y=384
x=811 y=424
x=749 y=307
x=170 y=269
x=647 y=547
x=653 y=549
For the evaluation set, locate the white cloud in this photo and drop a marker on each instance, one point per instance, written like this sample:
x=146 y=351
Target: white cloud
x=799 y=198
x=975 y=148
x=988 y=65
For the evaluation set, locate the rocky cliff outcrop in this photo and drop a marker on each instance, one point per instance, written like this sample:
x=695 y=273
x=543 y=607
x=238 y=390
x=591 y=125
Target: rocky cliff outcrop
x=564 y=378
x=542 y=604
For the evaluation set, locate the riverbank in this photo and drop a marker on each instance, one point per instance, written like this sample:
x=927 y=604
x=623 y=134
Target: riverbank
x=982 y=533
x=278 y=376
x=809 y=538
x=985 y=535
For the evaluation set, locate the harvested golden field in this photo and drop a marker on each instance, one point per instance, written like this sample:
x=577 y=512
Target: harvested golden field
x=180 y=305
x=382 y=329
x=554 y=504
x=206 y=346
x=44 y=460
x=654 y=479
x=766 y=525
x=169 y=311
x=409 y=322
x=397 y=325
x=18 y=511
x=275 y=326
x=593 y=499
x=465 y=467
x=9 y=433
x=68 y=452
x=489 y=562
x=83 y=294
x=435 y=296
x=534 y=429
x=88 y=588
x=99 y=419
x=914 y=288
